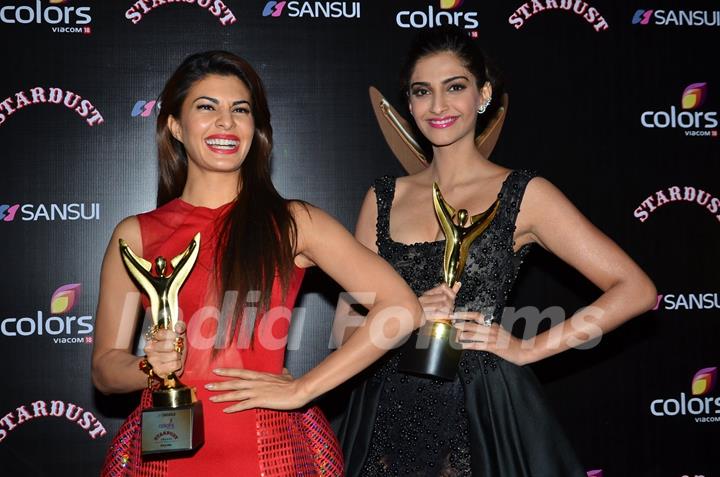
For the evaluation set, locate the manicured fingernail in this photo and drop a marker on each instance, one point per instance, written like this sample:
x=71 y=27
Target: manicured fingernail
x=210 y=386
x=213 y=398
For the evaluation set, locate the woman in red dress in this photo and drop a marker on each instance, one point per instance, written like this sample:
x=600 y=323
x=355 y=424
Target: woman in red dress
x=214 y=141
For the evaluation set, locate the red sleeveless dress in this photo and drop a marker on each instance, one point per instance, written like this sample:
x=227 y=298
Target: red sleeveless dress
x=256 y=442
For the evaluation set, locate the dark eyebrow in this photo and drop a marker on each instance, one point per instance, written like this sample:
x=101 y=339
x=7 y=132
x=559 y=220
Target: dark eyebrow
x=215 y=101
x=445 y=81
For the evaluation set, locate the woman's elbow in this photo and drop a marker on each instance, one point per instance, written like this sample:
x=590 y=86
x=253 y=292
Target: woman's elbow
x=98 y=377
x=648 y=294
x=644 y=293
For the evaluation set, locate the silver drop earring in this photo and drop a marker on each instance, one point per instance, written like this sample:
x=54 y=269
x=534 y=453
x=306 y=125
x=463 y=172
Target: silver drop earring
x=484 y=106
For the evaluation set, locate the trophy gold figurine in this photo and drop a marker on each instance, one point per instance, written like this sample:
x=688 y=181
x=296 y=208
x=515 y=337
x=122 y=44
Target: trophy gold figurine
x=174 y=425
x=432 y=350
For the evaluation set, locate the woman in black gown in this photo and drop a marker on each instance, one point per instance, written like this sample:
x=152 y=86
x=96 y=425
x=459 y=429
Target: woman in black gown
x=492 y=420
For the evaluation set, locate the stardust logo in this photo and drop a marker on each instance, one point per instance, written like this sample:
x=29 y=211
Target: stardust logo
x=678 y=194
x=694 y=122
x=49 y=212
x=431 y=18
x=144 y=108
x=39 y=95
x=688 y=301
x=61 y=325
x=42 y=409
x=690 y=18
x=296 y=9
x=529 y=9
x=215 y=7
x=704 y=408
x=67 y=19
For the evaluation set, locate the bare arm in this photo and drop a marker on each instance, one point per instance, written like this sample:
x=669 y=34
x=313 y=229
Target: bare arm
x=394 y=314
x=548 y=218
x=365 y=229
x=114 y=367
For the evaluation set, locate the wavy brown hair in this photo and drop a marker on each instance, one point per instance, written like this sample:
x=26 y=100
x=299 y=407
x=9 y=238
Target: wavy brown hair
x=258 y=234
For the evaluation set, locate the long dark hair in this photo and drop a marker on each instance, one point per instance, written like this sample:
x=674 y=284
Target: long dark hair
x=455 y=40
x=257 y=235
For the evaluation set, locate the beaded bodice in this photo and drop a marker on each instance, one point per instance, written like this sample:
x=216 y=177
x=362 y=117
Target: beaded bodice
x=492 y=264
x=421 y=424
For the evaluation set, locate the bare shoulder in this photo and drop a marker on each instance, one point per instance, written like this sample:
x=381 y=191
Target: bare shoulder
x=540 y=191
x=304 y=213
x=370 y=198
x=128 y=229
x=540 y=199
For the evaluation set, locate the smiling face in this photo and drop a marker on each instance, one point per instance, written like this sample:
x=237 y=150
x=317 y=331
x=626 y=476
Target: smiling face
x=444 y=98
x=216 y=124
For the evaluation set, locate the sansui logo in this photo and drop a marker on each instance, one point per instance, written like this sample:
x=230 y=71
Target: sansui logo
x=695 y=123
x=688 y=301
x=39 y=409
x=582 y=9
x=431 y=18
x=705 y=408
x=216 y=7
x=49 y=212
x=678 y=194
x=64 y=329
x=144 y=108
x=676 y=17
x=83 y=107
x=66 y=19
x=296 y=9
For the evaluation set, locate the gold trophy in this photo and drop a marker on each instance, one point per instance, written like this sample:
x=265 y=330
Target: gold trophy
x=175 y=422
x=433 y=350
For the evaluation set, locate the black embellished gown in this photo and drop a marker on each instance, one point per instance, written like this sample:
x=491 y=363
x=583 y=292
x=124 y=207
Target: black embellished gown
x=492 y=420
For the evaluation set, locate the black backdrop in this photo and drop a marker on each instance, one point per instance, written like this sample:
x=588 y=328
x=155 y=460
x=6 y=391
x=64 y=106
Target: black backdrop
x=616 y=106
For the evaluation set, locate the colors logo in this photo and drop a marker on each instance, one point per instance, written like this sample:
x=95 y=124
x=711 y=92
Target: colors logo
x=704 y=408
x=688 y=301
x=676 y=17
x=144 y=108
x=49 y=212
x=64 y=298
x=695 y=123
x=83 y=107
x=38 y=409
x=704 y=381
x=432 y=18
x=694 y=96
x=66 y=19
x=297 y=9
x=580 y=8
x=595 y=473
x=62 y=301
x=216 y=7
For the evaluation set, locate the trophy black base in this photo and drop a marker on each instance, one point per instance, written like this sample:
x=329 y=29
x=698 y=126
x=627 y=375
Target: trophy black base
x=429 y=352
x=172 y=431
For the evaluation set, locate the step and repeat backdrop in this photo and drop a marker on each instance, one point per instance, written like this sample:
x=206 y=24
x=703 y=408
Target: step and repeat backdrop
x=616 y=102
